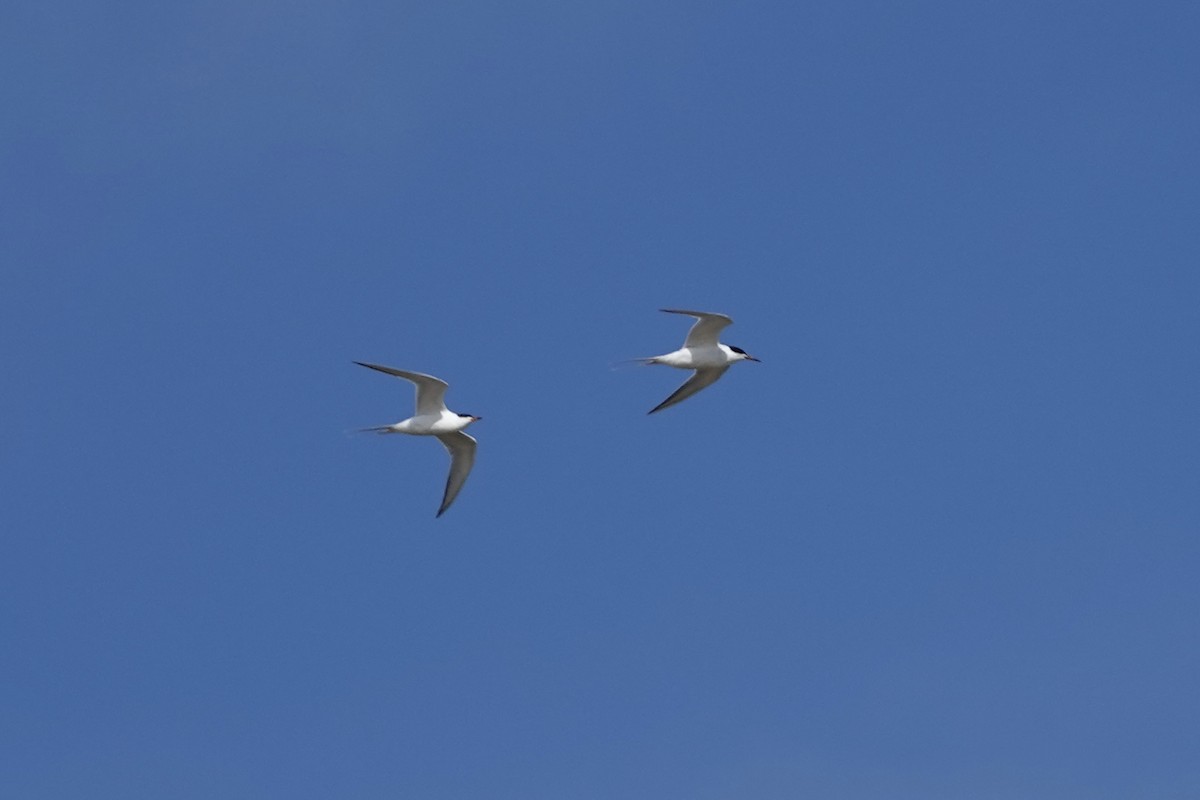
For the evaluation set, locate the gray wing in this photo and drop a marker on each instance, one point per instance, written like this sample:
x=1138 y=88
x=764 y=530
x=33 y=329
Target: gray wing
x=707 y=328
x=431 y=391
x=462 y=457
x=700 y=379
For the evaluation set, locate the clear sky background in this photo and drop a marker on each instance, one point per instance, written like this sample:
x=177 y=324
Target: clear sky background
x=942 y=543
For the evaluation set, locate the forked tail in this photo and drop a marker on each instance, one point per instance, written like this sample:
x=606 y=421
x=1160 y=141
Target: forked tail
x=641 y=362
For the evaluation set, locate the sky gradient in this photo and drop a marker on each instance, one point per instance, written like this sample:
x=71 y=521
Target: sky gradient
x=941 y=543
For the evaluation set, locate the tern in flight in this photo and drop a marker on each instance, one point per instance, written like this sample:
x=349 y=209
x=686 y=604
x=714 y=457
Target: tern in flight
x=700 y=352
x=434 y=419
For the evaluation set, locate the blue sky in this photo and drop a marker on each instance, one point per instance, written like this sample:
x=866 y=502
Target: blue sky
x=942 y=543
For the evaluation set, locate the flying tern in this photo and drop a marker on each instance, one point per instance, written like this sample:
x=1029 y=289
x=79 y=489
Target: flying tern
x=700 y=352
x=434 y=419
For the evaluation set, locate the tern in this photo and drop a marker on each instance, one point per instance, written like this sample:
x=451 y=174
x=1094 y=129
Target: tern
x=700 y=352
x=434 y=419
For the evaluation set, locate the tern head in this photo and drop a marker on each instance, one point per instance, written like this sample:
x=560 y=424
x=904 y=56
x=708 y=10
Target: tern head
x=471 y=417
x=743 y=355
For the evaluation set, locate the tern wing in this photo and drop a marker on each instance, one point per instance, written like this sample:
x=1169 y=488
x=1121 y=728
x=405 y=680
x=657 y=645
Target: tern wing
x=462 y=457
x=700 y=379
x=431 y=391
x=706 y=330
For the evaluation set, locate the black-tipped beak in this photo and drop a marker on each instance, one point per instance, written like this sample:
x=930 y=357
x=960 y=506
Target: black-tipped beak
x=752 y=358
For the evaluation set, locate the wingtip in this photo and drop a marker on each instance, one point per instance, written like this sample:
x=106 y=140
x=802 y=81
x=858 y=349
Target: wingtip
x=665 y=404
